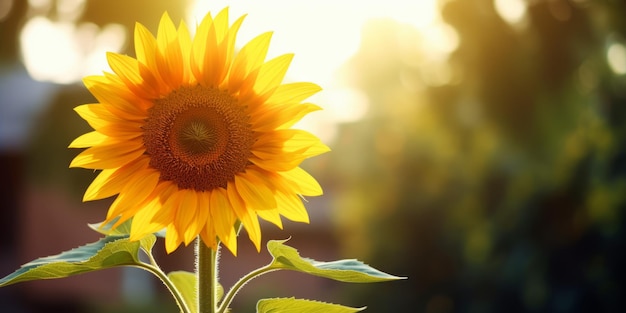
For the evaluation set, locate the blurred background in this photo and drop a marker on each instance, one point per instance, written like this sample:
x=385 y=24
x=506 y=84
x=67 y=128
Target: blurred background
x=479 y=148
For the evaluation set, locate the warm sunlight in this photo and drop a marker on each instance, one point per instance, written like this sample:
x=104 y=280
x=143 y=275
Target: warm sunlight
x=616 y=56
x=324 y=32
x=63 y=52
x=324 y=35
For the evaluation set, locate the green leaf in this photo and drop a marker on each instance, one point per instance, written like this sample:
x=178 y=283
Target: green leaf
x=107 y=229
x=121 y=230
x=147 y=243
x=185 y=283
x=292 y=305
x=108 y=252
x=351 y=271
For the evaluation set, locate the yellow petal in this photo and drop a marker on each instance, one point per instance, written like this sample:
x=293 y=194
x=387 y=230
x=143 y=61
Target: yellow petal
x=135 y=192
x=228 y=45
x=289 y=140
x=184 y=39
x=257 y=196
x=214 y=66
x=111 y=181
x=225 y=40
x=303 y=182
x=186 y=216
x=114 y=98
x=248 y=59
x=220 y=22
x=143 y=223
x=108 y=124
x=146 y=50
x=281 y=117
x=317 y=149
x=205 y=52
x=208 y=237
x=98 y=116
x=270 y=76
x=172 y=239
x=293 y=92
x=88 y=140
x=271 y=216
x=145 y=46
x=169 y=57
x=231 y=242
x=203 y=213
x=122 y=131
x=247 y=217
x=170 y=203
x=136 y=76
x=291 y=207
x=275 y=163
x=93 y=114
x=109 y=156
x=201 y=46
x=222 y=214
x=284 y=149
x=97 y=190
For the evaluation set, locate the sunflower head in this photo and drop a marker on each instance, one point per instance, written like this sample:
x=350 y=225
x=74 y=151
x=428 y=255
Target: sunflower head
x=192 y=136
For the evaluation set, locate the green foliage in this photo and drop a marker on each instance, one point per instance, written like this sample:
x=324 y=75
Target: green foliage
x=108 y=252
x=108 y=230
x=288 y=258
x=291 y=305
x=117 y=250
x=186 y=284
x=350 y=271
x=492 y=179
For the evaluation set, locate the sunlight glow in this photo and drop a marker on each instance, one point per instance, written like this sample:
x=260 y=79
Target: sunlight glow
x=616 y=56
x=48 y=50
x=512 y=11
x=37 y=4
x=62 y=52
x=70 y=9
x=324 y=35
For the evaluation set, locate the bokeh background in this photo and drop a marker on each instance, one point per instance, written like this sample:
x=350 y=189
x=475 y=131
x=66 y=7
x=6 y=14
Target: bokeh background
x=479 y=148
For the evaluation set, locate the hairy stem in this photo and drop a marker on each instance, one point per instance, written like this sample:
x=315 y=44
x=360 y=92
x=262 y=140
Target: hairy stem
x=207 y=278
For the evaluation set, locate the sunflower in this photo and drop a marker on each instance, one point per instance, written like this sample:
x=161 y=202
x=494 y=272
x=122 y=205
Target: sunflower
x=193 y=136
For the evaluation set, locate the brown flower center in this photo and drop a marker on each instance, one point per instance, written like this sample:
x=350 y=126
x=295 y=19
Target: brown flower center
x=198 y=138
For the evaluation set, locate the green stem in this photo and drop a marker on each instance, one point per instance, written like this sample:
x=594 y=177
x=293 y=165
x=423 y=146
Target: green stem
x=207 y=278
x=228 y=298
x=168 y=283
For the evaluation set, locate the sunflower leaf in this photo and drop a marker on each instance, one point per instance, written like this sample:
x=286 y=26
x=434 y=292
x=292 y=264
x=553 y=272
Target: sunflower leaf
x=147 y=243
x=185 y=283
x=108 y=252
x=108 y=230
x=292 y=305
x=350 y=270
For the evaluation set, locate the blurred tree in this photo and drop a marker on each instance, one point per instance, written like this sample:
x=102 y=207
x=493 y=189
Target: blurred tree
x=500 y=189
